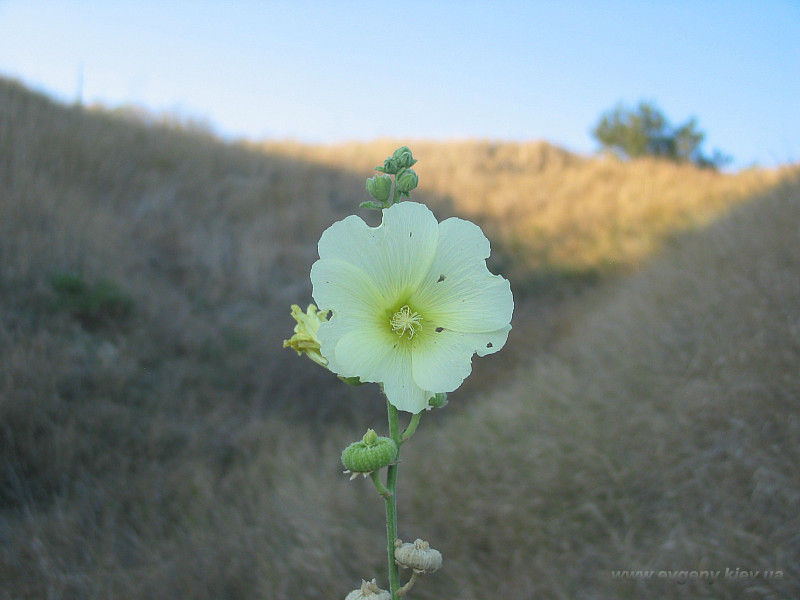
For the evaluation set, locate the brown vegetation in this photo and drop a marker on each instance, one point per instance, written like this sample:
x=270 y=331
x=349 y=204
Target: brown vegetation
x=156 y=441
x=555 y=214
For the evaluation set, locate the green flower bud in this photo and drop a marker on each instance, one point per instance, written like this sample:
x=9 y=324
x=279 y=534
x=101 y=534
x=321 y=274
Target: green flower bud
x=407 y=180
x=418 y=556
x=380 y=187
x=370 y=438
x=403 y=158
x=370 y=454
x=438 y=401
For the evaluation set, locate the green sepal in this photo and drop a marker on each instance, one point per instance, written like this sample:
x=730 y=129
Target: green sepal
x=372 y=204
x=438 y=401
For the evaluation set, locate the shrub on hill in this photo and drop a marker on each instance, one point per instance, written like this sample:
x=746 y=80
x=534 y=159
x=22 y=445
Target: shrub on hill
x=646 y=131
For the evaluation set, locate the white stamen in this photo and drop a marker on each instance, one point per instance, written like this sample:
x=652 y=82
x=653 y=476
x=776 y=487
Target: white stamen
x=406 y=320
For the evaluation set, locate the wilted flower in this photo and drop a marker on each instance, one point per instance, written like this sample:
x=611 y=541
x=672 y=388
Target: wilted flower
x=411 y=301
x=305 y=340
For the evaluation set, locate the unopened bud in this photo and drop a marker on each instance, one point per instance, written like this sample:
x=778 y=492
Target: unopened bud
x=407 y=180
x=399 y=160
x=403 y=158
x=380 y=187
x=438 y=401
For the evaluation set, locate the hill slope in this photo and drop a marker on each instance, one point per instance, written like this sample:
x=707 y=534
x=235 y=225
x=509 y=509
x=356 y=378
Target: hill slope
x=662 y=435
x=152 y=429
x=553 y=213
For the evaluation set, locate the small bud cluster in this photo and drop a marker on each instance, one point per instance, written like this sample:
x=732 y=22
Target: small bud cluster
x=380 y=186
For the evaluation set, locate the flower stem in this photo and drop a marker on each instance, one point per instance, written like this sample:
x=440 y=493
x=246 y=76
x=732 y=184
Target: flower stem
x=412 y=427
x=378 y=485
x=409 y=584
x=391 y=504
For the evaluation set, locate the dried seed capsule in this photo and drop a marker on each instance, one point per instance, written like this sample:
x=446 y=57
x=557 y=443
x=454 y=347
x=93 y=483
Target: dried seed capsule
x=418 y=556
x=369 y=591
x=370 y=454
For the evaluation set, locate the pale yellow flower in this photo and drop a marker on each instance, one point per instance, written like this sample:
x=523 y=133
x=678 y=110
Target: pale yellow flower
x=412 y=301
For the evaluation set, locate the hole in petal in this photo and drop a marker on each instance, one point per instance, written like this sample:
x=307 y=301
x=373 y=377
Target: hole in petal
x=441 y=279
x=439 y=329
x=489 y=345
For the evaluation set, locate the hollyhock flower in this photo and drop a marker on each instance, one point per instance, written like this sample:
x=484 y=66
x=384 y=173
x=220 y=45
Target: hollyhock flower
x=411 y=300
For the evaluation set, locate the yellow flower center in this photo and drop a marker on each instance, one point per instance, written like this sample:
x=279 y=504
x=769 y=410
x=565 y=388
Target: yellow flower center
x=405 y=320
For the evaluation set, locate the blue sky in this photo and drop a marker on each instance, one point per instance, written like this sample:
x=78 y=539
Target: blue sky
x=337 y=70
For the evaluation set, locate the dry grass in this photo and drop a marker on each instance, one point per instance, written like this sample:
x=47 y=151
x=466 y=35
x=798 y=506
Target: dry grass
x=552 y=213
x=662 y=435
x=173 y=449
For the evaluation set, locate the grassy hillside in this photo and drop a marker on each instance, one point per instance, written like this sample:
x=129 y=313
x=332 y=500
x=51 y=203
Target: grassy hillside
x=662 y=435
x=553 y=214
x=156 y=441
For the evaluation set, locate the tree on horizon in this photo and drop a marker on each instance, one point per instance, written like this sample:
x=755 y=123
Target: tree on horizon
x=646 y=131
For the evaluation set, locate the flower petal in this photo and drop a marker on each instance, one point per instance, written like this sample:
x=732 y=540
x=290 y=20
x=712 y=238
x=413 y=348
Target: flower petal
x=459 y=293
x=400 y=387
x=344 y=288
x=361 y=351
x=444 y=360
x=380 y=359
x=395 y=255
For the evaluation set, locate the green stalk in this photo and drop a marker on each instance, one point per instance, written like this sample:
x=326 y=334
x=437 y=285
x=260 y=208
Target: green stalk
x=391 y=504
x=412 y=427
x=381 y=489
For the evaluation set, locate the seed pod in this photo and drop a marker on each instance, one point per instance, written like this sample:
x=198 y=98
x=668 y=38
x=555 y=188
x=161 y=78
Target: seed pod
x=418 y=556
x=370 y=454
x=369 y=591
